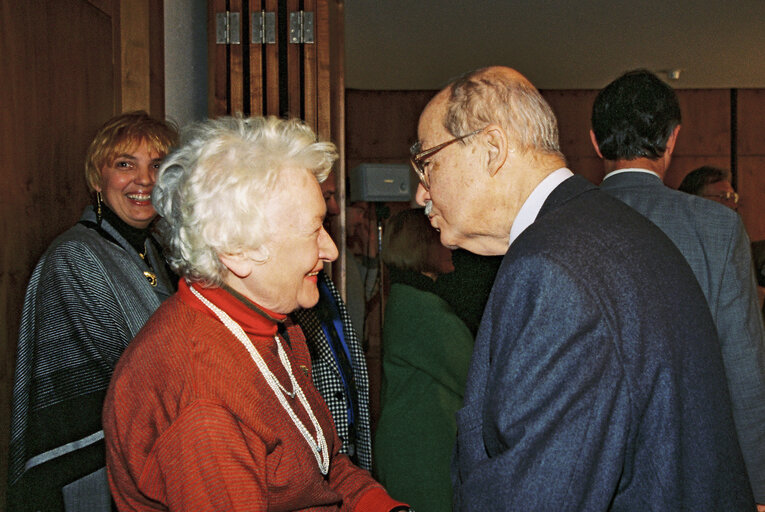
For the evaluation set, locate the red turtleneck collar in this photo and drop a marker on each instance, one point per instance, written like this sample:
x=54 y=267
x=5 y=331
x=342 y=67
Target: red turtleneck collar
x=254 y=319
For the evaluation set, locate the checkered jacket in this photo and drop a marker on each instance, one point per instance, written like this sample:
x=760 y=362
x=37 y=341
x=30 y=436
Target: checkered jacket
x=326 y=375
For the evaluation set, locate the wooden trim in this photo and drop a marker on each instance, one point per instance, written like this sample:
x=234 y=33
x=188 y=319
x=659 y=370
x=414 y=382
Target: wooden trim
x=217 y=69
x=337 y=120
x=256 y=65
x=271 y=85
x=236 y=63
x=323 y=79
x=294 y=66
x=135 y=51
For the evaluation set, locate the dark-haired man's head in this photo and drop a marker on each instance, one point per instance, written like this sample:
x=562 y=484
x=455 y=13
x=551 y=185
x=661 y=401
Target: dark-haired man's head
x=635 y=117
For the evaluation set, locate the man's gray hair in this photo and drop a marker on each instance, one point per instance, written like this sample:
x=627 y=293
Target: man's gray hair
x=213 y=192
x=480 y=98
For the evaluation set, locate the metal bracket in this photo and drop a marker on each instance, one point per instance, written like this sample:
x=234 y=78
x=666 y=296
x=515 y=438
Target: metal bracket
x=263 y=27
x=228 y=28
x=301 y=27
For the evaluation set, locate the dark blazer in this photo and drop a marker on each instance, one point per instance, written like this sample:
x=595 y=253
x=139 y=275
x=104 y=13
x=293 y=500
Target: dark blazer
x=714 y=242
x=327 y=379
x=596 y=382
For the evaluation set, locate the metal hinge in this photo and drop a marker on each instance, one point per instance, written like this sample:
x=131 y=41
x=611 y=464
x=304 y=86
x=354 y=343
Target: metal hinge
x=228 y=28
x=301 y=27
x=263 y=27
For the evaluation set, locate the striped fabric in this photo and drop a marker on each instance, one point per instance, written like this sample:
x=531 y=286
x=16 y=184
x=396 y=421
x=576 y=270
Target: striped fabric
x=191 y=423
x=85 y=301
x=326 y=375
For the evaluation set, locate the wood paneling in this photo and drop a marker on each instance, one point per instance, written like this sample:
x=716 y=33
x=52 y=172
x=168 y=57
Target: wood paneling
x=57 y=88
x=142 y=82
x=751 y=122
x=750 y=138
x=751 y=188
x=381 y=125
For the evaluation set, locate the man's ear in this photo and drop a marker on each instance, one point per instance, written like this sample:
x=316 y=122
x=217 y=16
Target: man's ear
x=672 y=140
x=595 y=144
x=498 y=148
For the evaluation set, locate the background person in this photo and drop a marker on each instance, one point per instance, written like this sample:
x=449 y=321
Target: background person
x=712 y=183
x=337 y=357
x=90 y=293
x=635 y=124
x=426 y=352
x=212 y=406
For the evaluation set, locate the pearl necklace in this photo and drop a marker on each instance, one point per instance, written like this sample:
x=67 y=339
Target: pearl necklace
x=319 y=445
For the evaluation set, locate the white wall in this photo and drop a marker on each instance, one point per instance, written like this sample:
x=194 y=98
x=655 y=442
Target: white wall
x=185 y=60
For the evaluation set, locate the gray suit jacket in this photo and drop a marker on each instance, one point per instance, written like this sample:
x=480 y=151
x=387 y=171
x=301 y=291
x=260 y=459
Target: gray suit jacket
x=713 y=240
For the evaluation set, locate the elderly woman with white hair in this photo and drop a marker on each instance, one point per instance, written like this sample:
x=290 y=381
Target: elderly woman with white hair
x=212 y=406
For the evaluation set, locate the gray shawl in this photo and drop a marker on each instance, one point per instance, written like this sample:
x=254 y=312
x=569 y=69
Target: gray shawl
x=86 y=299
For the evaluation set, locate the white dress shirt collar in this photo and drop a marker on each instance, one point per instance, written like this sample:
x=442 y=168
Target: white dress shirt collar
x=530 y=208
x=631 y=169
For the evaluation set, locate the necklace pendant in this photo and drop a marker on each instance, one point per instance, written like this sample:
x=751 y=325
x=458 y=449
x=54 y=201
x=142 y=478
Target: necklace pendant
x=151 y=277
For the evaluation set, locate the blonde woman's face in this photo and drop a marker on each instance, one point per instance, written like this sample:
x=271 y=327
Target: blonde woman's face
x=126 y=183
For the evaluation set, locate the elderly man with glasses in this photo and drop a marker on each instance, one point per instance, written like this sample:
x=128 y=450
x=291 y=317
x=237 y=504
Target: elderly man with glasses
x=596 y=382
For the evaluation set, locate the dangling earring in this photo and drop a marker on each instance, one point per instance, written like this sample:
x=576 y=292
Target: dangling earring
x=98 y=208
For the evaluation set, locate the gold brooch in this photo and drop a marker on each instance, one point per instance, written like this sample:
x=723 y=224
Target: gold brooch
x=151 y=277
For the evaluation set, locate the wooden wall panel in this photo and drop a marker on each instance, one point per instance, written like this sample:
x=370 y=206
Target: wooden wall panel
x=142 y=56
x=573 y=109
x=751 y=188
x=706 y=123
x=751 y=122
x=381 y=125
x=750 y=139
x=57 y=87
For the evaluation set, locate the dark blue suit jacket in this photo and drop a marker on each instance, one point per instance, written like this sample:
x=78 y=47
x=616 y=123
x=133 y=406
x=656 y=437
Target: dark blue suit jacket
x=714 y=242
x=596 y=382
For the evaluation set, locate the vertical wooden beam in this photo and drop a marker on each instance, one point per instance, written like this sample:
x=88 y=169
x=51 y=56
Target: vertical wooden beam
x=236 y=70
x=271 y=82
x=323 y=76
x=337 y=123
x=135 y=55
x=256 y=63
x=294 y=65
x=217 y=70
x=310 y=113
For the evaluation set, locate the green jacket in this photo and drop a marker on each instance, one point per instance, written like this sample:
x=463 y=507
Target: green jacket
x=426 y=353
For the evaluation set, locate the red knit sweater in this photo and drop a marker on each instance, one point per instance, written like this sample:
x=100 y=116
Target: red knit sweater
x=191 y=424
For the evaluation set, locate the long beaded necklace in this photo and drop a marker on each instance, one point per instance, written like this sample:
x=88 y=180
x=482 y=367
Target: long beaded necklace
x=319 y=445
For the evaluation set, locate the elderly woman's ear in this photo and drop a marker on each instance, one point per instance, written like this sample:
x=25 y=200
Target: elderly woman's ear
x=242 y=265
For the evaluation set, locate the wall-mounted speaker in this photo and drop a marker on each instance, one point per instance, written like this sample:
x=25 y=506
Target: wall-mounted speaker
x=381 y=182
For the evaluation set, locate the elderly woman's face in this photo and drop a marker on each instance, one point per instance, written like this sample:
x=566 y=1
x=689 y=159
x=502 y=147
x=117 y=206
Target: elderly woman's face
x=298 y=247
x=126 y=183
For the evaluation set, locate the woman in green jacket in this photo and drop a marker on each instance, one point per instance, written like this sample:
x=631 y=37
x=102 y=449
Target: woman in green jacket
x=426 y=353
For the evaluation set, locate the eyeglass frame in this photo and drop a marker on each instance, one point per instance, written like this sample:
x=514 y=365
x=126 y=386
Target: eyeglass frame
x=416 y=158
x=724 y=196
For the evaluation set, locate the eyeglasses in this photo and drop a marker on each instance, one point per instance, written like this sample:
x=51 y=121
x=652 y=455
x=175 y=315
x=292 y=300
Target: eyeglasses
x=727 y=197
x=418 y=156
